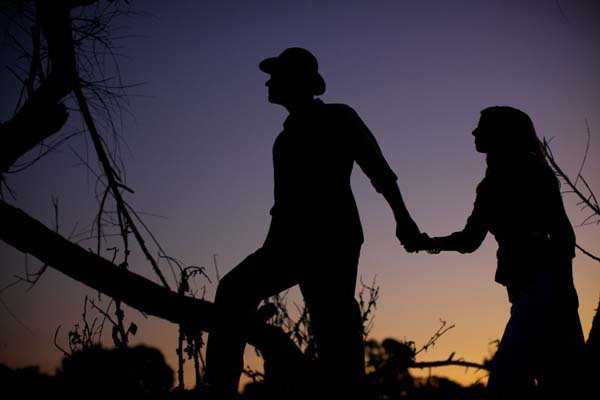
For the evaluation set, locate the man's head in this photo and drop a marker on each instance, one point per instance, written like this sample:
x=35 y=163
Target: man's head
x=294 y=75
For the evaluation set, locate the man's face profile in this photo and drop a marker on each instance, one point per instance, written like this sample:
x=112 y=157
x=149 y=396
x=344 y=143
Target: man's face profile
x=284 y=87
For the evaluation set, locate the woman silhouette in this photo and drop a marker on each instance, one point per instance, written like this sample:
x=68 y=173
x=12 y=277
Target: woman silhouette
x=519 y=202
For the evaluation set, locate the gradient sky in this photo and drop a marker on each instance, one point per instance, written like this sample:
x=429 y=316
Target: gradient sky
x=199 y=140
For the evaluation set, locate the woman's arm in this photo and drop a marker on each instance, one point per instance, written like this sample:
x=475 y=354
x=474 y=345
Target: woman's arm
x=472 y=235
x=466 y=241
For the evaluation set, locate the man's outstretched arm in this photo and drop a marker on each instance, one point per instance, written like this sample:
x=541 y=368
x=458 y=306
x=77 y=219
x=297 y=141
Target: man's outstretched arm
x=407 y=230
x=369 y=157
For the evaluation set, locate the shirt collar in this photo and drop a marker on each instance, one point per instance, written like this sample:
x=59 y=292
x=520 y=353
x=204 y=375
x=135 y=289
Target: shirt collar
x=299 y=115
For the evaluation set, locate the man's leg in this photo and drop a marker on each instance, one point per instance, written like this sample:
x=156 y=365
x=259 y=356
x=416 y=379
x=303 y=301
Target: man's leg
x=335 y=316
x=238 y=295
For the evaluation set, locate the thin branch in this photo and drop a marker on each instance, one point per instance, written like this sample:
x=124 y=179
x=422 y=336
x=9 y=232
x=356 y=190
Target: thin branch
x=66 y=353
x=11 y=313
x=587 y=253
x=560 y=172
x=587 y=148
x=109 y=172
x=432 y=340
x=446 y=363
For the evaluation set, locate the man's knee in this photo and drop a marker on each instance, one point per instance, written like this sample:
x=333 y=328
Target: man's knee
x=227 y=288
x=235 y=283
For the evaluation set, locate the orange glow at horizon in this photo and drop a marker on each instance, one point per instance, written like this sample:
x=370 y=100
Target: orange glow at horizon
x=201 y=137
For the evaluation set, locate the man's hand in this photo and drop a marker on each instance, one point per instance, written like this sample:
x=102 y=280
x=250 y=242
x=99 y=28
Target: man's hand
x=409 y=237
x=431 y=245
x=418 y=242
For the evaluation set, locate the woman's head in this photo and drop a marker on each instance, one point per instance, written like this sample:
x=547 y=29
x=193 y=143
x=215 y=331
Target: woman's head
x=506 y=131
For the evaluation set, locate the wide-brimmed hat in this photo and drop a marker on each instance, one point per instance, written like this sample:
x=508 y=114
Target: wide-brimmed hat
x=298 y=62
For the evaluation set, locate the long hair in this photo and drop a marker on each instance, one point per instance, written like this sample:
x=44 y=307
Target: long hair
x=513 y=132
x=513 y=136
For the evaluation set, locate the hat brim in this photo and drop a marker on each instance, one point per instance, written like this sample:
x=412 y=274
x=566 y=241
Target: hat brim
x=273 y=64
x=268 y=65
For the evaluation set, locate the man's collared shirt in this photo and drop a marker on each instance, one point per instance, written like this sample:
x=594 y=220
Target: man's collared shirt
x=313 y=158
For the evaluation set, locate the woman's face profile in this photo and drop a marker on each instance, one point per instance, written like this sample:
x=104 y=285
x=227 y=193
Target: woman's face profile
x=482 y=134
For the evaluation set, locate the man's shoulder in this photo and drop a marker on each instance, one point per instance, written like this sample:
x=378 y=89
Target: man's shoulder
x=339 y=107
x=340 y=110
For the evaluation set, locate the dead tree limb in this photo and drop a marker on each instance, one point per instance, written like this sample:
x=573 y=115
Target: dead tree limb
x=42 y=115
x=30 y=236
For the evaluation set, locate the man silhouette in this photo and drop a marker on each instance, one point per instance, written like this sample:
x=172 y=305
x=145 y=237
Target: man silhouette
x=315 y=234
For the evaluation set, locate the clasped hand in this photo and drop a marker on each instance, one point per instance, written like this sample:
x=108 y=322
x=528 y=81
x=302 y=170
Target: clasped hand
x=418 y=242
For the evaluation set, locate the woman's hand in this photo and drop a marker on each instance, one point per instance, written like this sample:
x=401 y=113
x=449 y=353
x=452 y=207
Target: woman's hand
x=422 y=242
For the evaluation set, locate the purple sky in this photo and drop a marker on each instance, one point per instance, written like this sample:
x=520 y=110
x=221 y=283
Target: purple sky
x=418 y=72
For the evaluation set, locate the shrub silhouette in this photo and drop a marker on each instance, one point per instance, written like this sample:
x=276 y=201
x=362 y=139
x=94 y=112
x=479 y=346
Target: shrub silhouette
x=133 y=373
x=25 y=383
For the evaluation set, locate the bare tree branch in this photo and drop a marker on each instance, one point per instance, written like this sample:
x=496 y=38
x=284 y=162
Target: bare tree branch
x=41 y=115
x=30 y=236
x=449 y=362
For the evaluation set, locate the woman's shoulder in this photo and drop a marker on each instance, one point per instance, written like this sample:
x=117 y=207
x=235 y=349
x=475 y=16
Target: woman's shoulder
x=537 y=171
x=519 y=167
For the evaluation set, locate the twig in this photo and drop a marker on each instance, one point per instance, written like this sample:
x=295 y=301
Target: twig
x=587 y=253
x=66 y=353
x=449 y=362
